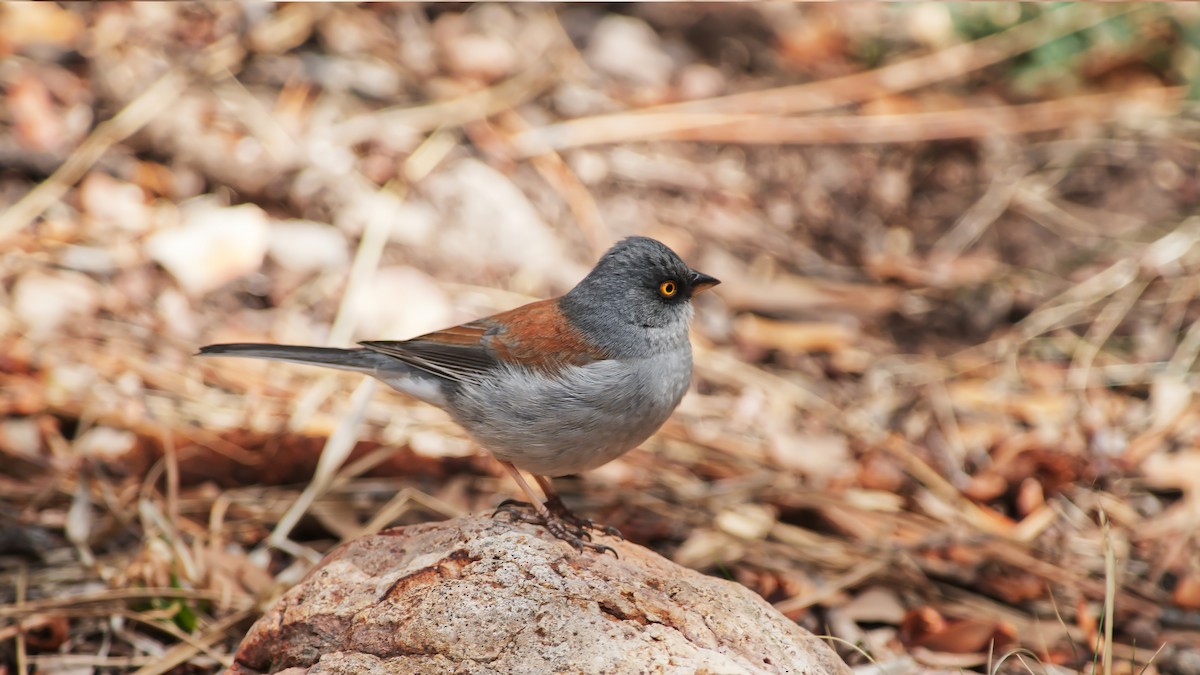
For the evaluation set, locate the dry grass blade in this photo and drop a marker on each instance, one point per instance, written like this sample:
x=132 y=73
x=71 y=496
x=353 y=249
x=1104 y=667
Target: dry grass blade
x=1113 y=313
x=366 y=262
x=850 y=579
x=1110 y=591
x=58 y=663
x=454 y=112
x=399 y=504
x=1079 y=297
x=108 y=596
x=574 y=193
x=680 y=118
x=974 y=221
x=1184 y=358
x=186 y=649
x=22 y=655
x=908 y=128
x=335 y=452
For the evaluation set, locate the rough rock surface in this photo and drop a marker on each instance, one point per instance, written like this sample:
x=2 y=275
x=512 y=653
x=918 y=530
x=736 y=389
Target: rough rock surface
x=484 y=595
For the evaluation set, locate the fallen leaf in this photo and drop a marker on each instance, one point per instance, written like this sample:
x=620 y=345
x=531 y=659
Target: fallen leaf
x=926 y=627
x=1187 y=592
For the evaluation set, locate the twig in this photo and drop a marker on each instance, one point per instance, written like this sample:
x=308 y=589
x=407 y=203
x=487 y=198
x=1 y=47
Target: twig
x=976 y=219
x=1111 y=316
x=832 y=587
x=398 y=505
x=454 y=112
x=815 y=96
x=859 y=129
x=22 y=655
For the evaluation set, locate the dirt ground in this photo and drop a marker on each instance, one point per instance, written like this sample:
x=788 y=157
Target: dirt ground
x=943 y=407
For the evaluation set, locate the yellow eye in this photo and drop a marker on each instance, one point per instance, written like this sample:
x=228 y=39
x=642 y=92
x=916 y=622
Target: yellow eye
x=668 y=288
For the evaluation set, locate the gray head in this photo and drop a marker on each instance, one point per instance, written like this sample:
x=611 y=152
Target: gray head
x=639 y=290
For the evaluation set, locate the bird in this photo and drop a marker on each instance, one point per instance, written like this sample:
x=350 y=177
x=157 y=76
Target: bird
x=554 y=387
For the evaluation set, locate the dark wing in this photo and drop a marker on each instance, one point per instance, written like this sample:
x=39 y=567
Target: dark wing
x=535 y=336
x=458 y=353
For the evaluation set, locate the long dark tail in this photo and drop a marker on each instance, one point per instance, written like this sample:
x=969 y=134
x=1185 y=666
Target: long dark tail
x=361 y=360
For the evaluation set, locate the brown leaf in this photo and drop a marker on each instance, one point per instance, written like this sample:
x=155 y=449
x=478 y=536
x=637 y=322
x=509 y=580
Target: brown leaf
x=45 y=632
x=1187 y=592
x=36 y=119
x=1014 y=586
x=926 y=627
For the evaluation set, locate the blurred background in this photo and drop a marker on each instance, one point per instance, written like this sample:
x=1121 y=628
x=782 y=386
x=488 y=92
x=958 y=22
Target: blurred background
x=943 y=409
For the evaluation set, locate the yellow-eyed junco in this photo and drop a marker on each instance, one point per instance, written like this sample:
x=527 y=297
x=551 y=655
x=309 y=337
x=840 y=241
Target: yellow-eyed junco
x=554 y=387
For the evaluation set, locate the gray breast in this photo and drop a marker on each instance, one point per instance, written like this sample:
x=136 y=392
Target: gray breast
x=579 y=419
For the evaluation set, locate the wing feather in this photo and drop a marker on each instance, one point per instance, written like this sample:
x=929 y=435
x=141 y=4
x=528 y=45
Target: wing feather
x=535 y=336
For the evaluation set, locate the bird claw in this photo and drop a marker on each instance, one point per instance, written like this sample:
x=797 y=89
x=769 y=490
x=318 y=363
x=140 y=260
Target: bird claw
x=572 y=535
x=612 y=532
x=511 y=506
x=559 y=509
x=567 y=527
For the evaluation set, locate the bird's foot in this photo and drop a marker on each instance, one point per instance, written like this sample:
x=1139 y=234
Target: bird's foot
x=556 y=506
x=570 y=530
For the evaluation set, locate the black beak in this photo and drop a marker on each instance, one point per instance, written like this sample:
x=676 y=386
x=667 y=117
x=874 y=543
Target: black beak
x=702 y=282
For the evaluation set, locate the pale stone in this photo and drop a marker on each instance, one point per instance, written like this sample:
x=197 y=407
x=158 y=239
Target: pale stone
x=214 y=246
x=45 y=302
x=484 y=595
x=307 y=246
x=629 y=48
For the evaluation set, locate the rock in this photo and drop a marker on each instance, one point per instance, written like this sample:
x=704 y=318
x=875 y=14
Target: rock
x=105 y=443
x=304 y=246
x=46 y=302
x=699 y=80
x=113 y=203
x=216 y=245
x=486 y=57
x=484 y=595
x=628 y=48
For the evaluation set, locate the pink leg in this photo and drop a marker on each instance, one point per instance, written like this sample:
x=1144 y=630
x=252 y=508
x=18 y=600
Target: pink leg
x=555 y=505
x=555 y=523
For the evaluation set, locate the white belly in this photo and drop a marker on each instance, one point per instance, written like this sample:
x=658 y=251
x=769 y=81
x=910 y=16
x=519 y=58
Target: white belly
x=583 y=418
